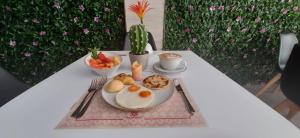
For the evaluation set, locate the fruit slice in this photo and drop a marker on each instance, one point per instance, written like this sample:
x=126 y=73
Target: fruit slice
x=116 y=60
x=107 y=60
x=101 y=56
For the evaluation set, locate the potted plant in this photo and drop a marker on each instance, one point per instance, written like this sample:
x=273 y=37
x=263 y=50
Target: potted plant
x=138 y=35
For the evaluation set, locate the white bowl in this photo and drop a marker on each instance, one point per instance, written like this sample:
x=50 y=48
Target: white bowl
x=105 y=71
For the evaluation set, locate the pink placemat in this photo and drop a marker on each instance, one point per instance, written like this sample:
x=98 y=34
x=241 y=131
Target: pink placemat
x=172 y=113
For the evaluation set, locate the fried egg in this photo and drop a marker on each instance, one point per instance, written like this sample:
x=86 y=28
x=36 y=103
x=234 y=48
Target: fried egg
x=140 y=98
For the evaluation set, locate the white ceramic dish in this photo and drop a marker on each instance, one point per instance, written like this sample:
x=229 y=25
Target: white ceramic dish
x=160 y=96
x=181 y=68
x=103 y=72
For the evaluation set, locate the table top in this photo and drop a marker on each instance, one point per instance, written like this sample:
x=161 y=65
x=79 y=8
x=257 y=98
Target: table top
x=229 y=109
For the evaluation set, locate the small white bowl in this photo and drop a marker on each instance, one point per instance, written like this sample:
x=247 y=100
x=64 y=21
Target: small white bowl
x=105 y=71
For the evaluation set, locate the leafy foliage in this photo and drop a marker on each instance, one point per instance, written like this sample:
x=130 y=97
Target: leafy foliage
x=40 y=37
x=241 y=38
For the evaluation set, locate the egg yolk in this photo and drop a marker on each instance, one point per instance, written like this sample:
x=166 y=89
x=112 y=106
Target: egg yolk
x=145 y=94
x=133 y=88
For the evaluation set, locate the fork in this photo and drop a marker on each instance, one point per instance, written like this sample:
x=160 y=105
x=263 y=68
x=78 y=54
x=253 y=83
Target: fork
x=96 y=84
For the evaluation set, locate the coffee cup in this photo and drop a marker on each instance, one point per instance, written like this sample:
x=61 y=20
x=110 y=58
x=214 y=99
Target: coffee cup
x=170 y=61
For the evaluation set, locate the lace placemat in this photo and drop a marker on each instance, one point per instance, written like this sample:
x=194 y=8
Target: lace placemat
x=172 y=113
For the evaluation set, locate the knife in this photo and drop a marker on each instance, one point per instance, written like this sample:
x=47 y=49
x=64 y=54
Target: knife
x=186 y=101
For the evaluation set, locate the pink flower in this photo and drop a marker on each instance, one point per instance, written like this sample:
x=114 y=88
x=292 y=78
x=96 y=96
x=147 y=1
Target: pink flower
x=221 y=8
x=245 y=30
x=65 y=33
x=35 y=43
x=12 y=43
x=42 y=33
x=211 y=30
x=76 y=42
x=257 y=20
x=239 y=18
x=56 y=5
x=284 y=11
x=27 y=54
x=263 y=30
x=194 y=40
x=86 y=30
x=295 y=9
x=35 y=20
x=212 y=8
x=187 y=30
x=107 y=31
x=229 y=29
x=75 y=19
x=96 y=19
x=7 y=8
x=81 y=7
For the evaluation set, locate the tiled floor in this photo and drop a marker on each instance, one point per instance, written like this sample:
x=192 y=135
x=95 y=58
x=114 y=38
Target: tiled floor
x=272 y=98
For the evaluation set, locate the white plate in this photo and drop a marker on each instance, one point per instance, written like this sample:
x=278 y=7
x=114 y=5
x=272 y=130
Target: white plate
x=181 y=68
x=160 y=96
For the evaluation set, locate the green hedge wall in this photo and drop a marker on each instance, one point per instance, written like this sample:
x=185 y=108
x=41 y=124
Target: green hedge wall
x=40 y=37
x=241 y=38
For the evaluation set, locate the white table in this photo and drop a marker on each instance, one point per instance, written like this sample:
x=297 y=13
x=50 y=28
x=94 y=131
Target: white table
x=229 y=109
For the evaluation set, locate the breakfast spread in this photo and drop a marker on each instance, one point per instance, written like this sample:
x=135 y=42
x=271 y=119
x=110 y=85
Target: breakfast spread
x=156 y=82
x=114 y=86
x=125 y=78
x=129 y=94
x=126 y=91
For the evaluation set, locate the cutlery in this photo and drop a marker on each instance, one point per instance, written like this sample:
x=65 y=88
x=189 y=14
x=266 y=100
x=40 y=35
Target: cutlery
x=186 y=101
x=94 y=87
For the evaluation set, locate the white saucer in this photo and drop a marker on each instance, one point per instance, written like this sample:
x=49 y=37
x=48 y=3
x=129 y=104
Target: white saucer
x=181 y=68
